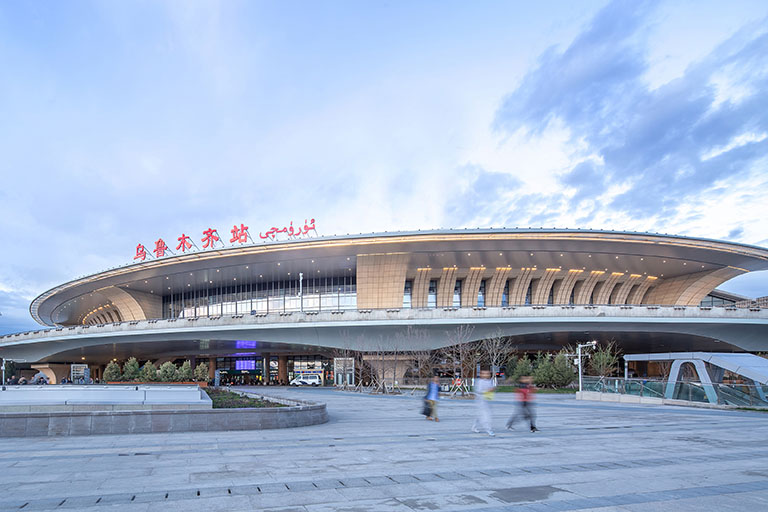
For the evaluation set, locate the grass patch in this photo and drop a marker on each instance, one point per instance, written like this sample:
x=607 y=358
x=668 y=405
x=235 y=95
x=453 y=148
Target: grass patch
x=755 y=409
x=228 y=400
x=512 y=389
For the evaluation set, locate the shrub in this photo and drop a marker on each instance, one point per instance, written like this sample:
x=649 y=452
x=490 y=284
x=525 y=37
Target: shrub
x=184 y=373
x=167 y=372
x=522 y=368
x=148 y=372
x=112 y=372
x=543 y=373
x=131 y=369
x=563 y=372
x=201 y=372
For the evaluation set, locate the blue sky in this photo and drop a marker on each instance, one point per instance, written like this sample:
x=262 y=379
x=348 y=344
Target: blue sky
x=122 y=122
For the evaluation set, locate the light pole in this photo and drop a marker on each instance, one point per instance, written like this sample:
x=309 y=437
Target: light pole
x=301 y=289
x=589 y=344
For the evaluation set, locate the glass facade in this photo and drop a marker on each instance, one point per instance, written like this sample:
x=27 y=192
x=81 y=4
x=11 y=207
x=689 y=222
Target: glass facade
x=505 y=294
x=457 y=294
x=432 y=297
x=712 y=301
x=320 y=294
x=408 y=294
x=481 y=294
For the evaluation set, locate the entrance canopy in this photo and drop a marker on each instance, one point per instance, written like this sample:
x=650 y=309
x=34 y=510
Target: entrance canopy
x=747 y=365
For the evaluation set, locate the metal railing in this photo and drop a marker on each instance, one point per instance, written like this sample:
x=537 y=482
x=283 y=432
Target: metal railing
x=738 y=394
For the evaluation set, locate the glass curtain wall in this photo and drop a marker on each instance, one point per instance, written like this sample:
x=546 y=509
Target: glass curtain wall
x=318 y=294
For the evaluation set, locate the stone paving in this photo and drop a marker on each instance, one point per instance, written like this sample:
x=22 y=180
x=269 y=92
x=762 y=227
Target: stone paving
x=378 y=454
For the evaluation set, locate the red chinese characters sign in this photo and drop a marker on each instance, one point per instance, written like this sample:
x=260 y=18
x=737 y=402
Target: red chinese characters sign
x=240 y=235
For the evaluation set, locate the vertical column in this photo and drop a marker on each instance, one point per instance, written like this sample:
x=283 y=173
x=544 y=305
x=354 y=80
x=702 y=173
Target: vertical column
x=471 y=286
x=211 y=368
x=496 y=286
x=420 y=293
x=540 y=291
x=445 y=287
x=265 y=368
x=282 y=369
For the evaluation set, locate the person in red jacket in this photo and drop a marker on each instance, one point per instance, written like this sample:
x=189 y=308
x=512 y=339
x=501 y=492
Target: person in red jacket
x=525 y=393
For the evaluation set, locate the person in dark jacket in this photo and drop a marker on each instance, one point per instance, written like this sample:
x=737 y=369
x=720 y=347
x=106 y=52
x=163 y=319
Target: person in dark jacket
x=525 y=393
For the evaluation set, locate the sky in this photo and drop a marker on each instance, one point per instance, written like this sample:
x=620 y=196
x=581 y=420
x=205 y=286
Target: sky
x=124 y=122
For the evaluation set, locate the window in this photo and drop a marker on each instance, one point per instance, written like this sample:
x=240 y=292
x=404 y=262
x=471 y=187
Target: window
x=408 y=294
x=457 y=294
x=481 y=294
x=432 y=298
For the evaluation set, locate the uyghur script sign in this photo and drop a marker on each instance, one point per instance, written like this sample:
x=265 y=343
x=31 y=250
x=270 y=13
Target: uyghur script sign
x=211 y=237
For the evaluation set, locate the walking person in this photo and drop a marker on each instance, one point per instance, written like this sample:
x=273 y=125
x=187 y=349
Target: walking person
x=483 y=394
x=525 y=397
x=433 y=395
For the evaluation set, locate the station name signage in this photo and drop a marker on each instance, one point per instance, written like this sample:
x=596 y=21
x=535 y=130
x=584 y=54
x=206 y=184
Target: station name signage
x=212 y=240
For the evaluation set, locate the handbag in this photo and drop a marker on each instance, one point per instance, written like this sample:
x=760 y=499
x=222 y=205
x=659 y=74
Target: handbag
x=427 y=409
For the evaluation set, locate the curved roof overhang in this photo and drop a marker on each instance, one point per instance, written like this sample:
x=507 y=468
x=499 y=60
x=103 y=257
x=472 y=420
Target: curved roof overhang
x=437 y=248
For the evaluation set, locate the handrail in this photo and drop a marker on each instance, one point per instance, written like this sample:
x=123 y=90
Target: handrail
x=568 y=310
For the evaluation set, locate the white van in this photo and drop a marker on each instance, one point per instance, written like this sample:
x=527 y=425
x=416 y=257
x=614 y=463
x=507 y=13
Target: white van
x=307 y=380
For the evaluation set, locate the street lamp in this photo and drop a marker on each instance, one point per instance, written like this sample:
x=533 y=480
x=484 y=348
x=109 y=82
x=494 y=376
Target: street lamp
x=589 y=344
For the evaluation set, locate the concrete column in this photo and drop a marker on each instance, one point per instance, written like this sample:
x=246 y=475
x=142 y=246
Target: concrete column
x=282 y=368
x=265 y=367
x=211 y=368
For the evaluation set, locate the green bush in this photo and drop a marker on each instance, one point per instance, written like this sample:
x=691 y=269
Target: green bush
x=167 y=372
x=543 y=373
x=184 y=373
x=131 y=369
x=201 y=372
x=522 y=368
x=148 y=372
x=112 y=372
x=563 y=372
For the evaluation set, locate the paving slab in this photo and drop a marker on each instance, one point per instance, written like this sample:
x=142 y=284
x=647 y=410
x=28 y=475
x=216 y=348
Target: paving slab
x=377 y=453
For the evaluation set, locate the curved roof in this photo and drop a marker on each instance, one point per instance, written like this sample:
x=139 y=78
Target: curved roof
x=644 y=253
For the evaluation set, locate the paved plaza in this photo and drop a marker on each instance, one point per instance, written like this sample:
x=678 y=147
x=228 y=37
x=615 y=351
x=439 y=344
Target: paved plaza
x=379 y=454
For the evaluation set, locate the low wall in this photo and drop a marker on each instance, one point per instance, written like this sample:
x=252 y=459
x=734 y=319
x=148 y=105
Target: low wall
x=21 y=424
x=110 y=395
x=648 y=400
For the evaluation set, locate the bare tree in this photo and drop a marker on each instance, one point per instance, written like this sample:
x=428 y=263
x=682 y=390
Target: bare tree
x=461 y=352
x=604 y=361
x=497 y=348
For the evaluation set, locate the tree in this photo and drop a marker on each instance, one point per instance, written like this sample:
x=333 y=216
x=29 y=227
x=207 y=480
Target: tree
x=112 y=372
x=148 y=372
x=563 y=372
x=201 y=372
x=497 y=348
x=461 y=350
x=523 y=368
x=167 y=372
x=131 y=369
x=184 y=373
x=605 y=360
x=543 y=372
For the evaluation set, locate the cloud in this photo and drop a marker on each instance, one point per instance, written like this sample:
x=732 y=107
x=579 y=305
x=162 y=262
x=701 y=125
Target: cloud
x=667 y=157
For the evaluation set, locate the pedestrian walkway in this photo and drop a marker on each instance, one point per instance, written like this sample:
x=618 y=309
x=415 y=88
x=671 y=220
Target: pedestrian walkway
x=378 y=453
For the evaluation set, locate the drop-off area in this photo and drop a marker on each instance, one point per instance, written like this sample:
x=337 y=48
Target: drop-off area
x=377 y=453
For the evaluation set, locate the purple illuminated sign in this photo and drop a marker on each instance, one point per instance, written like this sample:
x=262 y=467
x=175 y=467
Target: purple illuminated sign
x=245 y=364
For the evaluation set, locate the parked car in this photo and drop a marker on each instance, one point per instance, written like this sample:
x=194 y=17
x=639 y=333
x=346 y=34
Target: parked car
x=307 y=380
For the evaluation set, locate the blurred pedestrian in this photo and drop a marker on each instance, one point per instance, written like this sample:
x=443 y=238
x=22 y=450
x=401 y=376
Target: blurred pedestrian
x=525 y=393
x=433 y=395
x=483 y=395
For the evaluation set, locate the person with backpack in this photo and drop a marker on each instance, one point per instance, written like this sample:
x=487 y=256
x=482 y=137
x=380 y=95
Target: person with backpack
x=525 y=397
x=433 y=395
